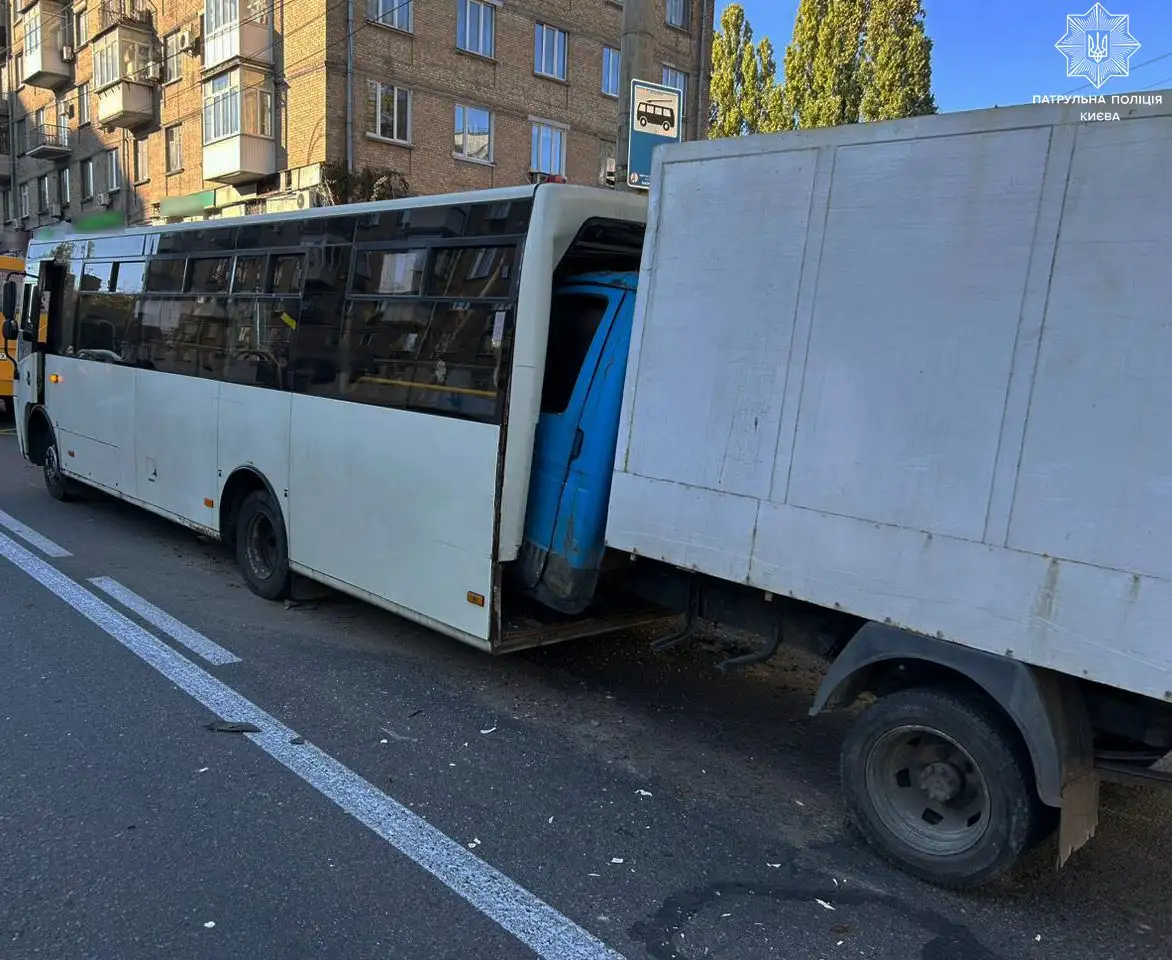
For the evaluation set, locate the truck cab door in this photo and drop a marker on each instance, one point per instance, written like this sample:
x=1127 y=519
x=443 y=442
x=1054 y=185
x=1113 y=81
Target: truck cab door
x=29 y=387
x=573 y=456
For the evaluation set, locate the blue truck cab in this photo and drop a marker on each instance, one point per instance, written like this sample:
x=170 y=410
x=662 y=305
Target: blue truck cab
x=577 y=431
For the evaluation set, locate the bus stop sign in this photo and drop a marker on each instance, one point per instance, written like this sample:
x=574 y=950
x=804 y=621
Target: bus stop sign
x=655 y=120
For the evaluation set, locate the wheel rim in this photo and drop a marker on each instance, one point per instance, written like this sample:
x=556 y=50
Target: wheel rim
x=52 y=466
x=261 y=543
x=928 y=791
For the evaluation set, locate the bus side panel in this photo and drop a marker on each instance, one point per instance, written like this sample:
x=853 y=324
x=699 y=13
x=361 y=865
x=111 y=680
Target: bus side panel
x=254 y=432
x=396 y=503
x=91 y=405
x=175 y=425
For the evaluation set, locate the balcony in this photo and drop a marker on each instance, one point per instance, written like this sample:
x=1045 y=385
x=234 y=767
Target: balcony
x=49 y=141
x=114 y=13
x=126 y=104
x=124 y=73
x=48 y=61
x=244 y=158
x=234 y=32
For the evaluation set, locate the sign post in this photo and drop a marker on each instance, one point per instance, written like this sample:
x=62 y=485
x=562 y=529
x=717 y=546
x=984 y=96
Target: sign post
x=655 y=120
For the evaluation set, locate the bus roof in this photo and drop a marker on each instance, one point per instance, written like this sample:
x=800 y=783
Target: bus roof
x=40 y=246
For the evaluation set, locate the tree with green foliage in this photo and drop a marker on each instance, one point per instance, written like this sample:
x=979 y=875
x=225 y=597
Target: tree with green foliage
x=853 y=60
x=896 y=67
x=744 y=95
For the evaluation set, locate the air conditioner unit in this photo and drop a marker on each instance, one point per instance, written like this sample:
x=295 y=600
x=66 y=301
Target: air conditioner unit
x=154 y=70
x=608 y=173
x=102 y=199
x=67 y=54
x=185 y=40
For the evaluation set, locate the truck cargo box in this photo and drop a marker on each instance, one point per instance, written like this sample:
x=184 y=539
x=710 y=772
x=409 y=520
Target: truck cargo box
x=920 y=371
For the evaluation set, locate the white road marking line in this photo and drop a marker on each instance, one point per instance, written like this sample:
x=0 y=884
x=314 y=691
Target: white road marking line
x=195 y=641
x=548 y=933
x=29 y=535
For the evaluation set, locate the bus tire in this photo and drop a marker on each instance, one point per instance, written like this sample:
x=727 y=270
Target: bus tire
x=262 y=547
x=60 y=487
x=941 y=784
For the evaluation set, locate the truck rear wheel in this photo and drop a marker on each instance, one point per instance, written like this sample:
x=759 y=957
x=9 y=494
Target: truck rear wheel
x=941 y=784
x=262 y=548
x=60 y=487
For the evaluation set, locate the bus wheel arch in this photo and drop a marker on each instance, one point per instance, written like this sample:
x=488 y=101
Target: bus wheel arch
x=40 y=435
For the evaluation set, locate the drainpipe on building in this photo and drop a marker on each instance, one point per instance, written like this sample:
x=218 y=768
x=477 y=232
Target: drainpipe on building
x=703 y=69
x=350 y=86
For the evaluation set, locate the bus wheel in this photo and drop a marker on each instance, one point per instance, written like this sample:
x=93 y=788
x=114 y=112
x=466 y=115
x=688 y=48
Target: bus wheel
x=58 y=485
x=262 y=549
x=942 y=785
x=642 y=121
x=666 y=125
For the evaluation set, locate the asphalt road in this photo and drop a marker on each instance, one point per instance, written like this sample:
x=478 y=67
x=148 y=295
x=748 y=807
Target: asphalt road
x=586 y=795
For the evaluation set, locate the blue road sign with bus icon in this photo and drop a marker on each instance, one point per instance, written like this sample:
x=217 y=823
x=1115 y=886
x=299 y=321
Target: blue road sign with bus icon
x=655 y=120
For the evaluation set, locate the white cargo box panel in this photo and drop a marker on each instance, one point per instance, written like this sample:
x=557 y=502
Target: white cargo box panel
x=920 y=371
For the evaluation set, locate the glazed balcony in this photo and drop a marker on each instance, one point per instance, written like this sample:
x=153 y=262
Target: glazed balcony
x=124 y=73
x=237 y=30
x=48 y=60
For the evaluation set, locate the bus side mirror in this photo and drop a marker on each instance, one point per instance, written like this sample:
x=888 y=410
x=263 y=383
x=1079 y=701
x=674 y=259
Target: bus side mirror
x=8 y=307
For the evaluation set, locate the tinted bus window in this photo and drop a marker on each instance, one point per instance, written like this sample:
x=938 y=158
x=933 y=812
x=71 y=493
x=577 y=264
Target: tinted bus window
x=250 y=275
x=471 y=272
x=287 y=274
x=395 y=273
x=166 y=276
x=209 y=275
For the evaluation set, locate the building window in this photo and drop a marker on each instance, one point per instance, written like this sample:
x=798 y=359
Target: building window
x=173 y=59
x=610 y=71
x=113 y=171
x=63 y=111
x=221 y=14
x=24 y=200
x=142 y=164
x=119 y=55
x=231 y=108
x=679 y=80
x=549 y=51
x=87 y=179
x=19 y=69
x=6 y=202
x=39 y=119
x=390 y=13
x=547 y=152
x=64 y=193
x=32 y=30
x=42 y=194
x=473 y=133
x=391 y=117
x=81 y=27
x=678 y=12
x=475 y=26
x=83 y=104
x=174 y=139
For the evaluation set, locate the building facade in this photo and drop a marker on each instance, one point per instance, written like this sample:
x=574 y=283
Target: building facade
x=202 y=108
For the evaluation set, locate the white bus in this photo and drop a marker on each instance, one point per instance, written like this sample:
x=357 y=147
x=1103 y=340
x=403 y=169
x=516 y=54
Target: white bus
x=349 y=394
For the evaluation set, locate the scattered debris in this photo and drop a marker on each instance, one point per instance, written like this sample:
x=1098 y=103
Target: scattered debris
x=616 y=859
x=551 y=819
x=594 y=874
x=203 y=769
x=799 y=803
x=414 y=713
x=823 y=903
x=840 y=943
x=230 y=726
x=401 y=737
x=489 y=730
x=774 y=865
x=643 y=793
x=723 y=915
x=210 y=924
x=1038 y=938
x=474 y=844
x=297 y=741
x=383 y=740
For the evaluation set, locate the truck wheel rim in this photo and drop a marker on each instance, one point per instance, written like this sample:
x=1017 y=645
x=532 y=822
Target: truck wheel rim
x=927 y=790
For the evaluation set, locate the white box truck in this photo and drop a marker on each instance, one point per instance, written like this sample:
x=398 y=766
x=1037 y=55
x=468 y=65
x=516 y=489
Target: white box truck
x=895 y=392
x=918 y=372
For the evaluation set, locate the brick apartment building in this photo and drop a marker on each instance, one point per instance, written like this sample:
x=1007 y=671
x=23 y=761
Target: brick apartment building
x=194 y=108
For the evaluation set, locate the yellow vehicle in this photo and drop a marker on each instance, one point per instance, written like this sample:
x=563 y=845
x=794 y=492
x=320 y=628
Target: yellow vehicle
x=8 y=267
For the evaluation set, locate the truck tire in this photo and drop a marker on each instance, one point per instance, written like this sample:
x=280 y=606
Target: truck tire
x=941 y=784
x=262 y=548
